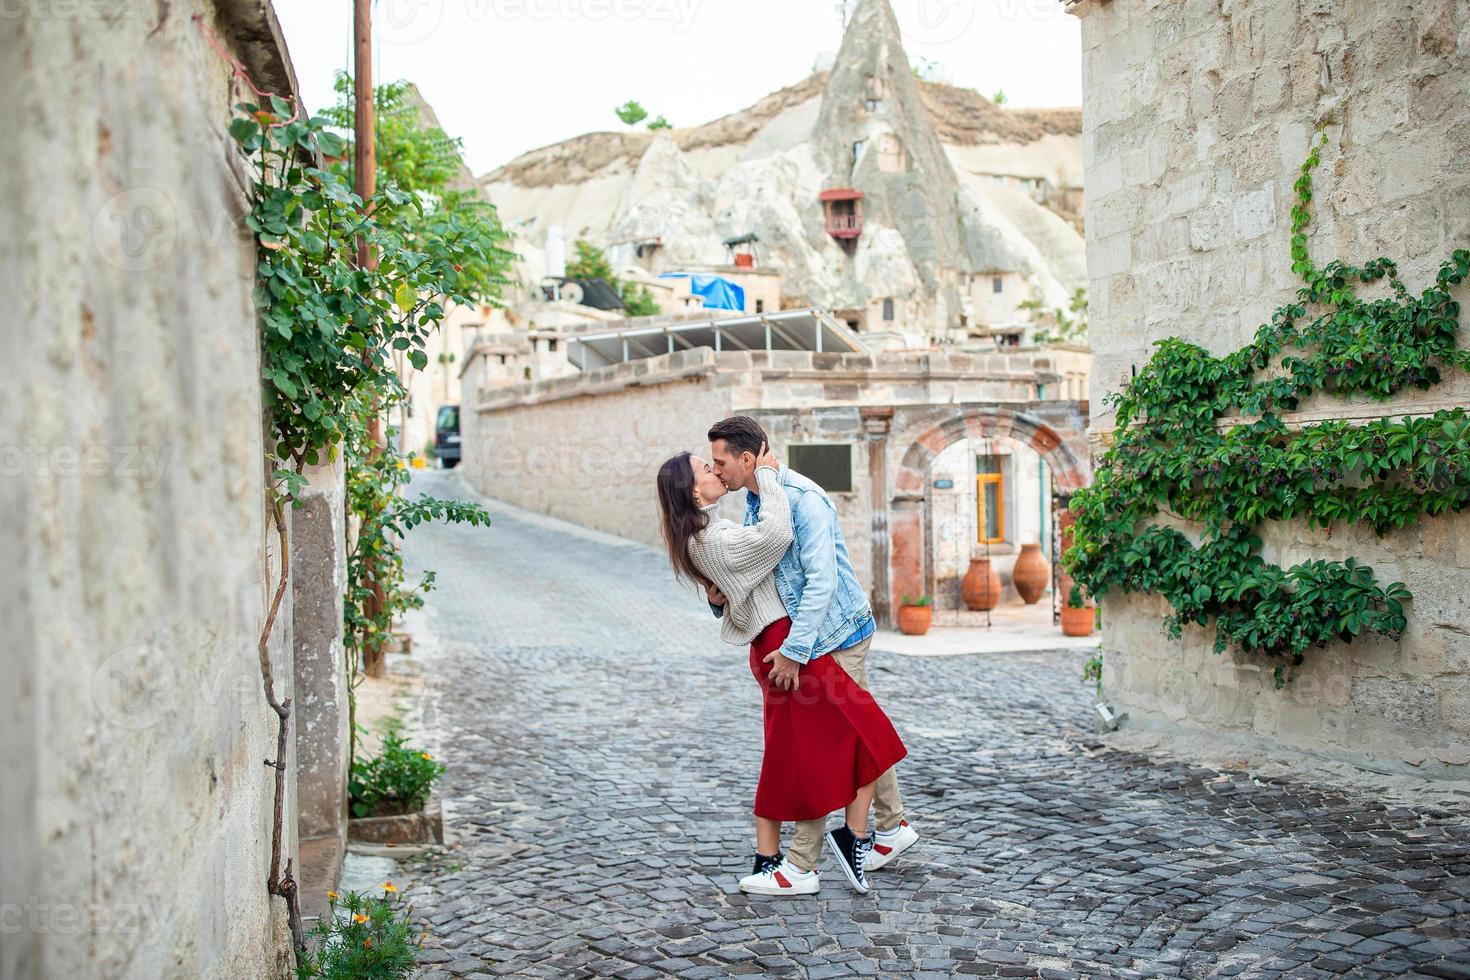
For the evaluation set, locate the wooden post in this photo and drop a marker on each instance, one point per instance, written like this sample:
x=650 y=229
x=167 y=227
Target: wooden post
x=365 y=173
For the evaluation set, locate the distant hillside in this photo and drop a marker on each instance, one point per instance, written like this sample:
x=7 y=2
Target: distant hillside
x=961 y=117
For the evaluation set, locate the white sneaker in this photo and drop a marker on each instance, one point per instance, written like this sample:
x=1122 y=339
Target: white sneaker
x=781 y=879
x=888 y=845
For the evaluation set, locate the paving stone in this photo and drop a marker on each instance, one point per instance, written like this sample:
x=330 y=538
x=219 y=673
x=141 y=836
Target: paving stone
x=603 y=748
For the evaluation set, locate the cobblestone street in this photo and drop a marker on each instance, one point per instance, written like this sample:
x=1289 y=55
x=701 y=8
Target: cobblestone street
x=603 y=746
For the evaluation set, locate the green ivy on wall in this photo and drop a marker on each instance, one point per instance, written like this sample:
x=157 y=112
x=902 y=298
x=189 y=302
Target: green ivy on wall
x=1174 y=453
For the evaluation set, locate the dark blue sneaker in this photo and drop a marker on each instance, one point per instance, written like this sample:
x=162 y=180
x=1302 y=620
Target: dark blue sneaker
x=852 y=854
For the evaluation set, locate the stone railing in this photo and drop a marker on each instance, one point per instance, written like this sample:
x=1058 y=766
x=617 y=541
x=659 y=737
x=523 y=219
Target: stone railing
x=1021 y=369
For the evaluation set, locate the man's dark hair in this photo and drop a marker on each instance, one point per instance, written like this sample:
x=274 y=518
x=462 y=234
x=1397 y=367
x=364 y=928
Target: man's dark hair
x=742 y=434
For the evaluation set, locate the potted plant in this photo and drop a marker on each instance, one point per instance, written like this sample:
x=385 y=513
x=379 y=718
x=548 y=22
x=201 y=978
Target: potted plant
x=390 y=795
x=915 y=614
x=1077 y=615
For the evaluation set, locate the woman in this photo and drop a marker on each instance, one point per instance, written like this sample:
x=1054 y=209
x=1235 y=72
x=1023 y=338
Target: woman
x=827 y=742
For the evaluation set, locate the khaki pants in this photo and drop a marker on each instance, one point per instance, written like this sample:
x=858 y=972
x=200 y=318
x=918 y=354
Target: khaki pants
x=806 y=842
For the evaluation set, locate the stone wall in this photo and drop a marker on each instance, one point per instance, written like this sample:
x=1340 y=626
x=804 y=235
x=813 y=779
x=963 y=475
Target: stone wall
x=318 y=584
x=135 y=805
x=587 y=448
x=591 y=458
x=1197 y=118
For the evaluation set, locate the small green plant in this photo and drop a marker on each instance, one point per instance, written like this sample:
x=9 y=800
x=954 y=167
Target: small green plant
x=660 y=123
x=397 y=780
x=918 y=600
x=362 y=937
x=631 y=113
x=1092 y=671
x=1074 y=598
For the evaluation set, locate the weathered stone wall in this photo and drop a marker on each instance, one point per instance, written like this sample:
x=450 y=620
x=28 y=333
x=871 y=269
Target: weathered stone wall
x=318 y=583
x=135 y=807
x=591 y=459
x=1197 y=118
x=587 y=448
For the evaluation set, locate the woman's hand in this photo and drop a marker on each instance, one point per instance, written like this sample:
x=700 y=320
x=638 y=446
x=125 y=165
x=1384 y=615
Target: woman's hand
x=716 y=597
x=767 y=458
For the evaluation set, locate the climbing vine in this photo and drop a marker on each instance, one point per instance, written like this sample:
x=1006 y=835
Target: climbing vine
x=1200 y=439
x=329 y=328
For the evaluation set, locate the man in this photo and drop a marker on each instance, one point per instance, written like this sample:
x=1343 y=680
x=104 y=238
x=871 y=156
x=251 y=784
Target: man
x=830 y=616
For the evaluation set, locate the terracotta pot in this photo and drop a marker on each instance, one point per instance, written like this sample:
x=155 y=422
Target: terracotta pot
x=981 y=587
x=1078 y=622
x=1031 y=573
x=915 y=620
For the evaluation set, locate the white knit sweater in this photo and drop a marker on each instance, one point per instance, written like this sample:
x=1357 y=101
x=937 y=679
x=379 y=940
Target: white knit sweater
x=741 y=560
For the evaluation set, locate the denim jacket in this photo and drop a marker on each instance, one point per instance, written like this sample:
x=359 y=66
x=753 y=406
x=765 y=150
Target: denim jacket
x=815 y=579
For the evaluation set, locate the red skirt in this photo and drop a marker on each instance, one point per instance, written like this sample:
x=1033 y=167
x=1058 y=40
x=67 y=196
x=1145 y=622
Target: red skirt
x=824 y=741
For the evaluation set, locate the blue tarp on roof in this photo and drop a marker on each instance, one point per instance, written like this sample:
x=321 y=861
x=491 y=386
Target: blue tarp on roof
x=718 y=293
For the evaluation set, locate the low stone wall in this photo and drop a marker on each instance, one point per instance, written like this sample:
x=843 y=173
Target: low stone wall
x=587 y=448
x=1197 y=119
x=589 y=453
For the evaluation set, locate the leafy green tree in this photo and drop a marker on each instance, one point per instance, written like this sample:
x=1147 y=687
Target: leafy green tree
x=592 y=263
x=1000 y=97
x=1059 y=326
x=631 y=113
x=660 y=123
x=425 y=161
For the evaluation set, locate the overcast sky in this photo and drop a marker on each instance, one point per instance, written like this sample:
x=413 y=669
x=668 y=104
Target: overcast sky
x=511 y=75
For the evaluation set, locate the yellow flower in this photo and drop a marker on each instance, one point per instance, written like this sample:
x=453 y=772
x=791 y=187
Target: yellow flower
x=426 y=757
x=359 y=918
x=388 y=886
x=331 y=896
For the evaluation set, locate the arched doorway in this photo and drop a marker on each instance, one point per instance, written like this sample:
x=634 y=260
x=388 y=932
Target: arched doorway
x=1057 y=440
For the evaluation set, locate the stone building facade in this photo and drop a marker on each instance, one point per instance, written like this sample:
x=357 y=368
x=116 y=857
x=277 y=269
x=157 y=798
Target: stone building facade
x=587 y=448
x=139 y=556
x=1197 y=118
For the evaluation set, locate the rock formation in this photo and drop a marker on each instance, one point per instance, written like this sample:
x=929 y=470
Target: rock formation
x=954 y=190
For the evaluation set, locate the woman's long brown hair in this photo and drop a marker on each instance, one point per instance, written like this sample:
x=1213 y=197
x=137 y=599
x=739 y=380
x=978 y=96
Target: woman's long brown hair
x=682 y=520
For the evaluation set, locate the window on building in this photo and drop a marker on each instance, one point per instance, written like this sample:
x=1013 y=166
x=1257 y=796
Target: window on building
x=760 y=306
x=526 y=373
x=829 y=466
x=997 y=285
x=891 y=156
x=502 y=358
x=551 y=344
x=990 y=497
x=888 y=309
x=873 y=104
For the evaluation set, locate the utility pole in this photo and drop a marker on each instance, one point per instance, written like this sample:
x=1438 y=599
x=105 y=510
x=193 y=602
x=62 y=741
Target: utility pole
x=365 y=173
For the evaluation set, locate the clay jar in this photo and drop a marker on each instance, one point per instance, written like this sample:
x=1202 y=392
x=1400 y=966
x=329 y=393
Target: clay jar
x=915 y=620
x=1031 y=573
x=981 y=586
x=1078 y=622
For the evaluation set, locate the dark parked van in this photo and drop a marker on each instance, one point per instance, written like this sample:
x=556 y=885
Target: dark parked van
x=446 y=436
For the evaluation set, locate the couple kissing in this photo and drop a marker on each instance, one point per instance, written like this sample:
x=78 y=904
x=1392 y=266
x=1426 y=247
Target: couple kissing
x=783 y=583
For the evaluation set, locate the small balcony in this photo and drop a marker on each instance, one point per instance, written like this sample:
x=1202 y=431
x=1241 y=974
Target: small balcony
x=844 y=225
x=844 y=212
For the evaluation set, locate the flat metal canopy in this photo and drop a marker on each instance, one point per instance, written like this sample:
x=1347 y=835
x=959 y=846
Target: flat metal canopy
x=810 y=330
